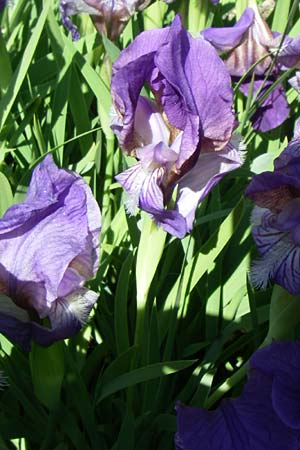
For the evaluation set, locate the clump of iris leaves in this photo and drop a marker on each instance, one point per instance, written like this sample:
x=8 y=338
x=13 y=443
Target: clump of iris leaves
x=113 y=386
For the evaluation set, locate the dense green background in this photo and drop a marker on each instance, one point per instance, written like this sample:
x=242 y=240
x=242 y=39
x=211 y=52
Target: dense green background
x=176 y=320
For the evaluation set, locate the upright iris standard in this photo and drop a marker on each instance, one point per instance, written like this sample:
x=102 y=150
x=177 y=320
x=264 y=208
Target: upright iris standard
x=182 y=137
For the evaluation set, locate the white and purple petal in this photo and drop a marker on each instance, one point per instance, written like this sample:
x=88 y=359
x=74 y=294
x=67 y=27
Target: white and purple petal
x=198 y=182
x=130 y=72
x=109 y=16
x=295 y=81
x=279 y=256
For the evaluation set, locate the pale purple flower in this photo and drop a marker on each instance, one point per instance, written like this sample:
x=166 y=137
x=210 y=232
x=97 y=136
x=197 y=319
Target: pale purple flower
x=265 y=417
x=295 y=81
x=276 y=221
x=49 y=247
x=182 y=139
x=110 y=16
x=248 y=41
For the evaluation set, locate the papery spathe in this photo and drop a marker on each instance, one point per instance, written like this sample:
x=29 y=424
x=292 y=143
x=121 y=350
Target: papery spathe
x=110 y=16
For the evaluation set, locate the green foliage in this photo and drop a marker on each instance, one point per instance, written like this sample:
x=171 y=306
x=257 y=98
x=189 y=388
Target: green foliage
x=176 y=319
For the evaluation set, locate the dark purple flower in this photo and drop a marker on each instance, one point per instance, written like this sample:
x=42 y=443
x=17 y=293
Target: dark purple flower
x=248 y=41
x=265 y=416
x=110 y=16
x=276 y=221
x=182 y=139
x=49 y=247
x=2 y=4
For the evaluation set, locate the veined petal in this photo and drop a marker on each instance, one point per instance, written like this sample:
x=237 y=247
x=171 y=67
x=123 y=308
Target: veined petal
x=270 y=190
x=60 y=211
x=280 y=257
x=132 y=180
x=273 y=111
x=67 y=311
x=131 y=70
x=198 y=182
x=295 y=81
x=72 y=7
x=48 y=187
x=288 y=161
x=210 y=100
x=87 y=262
x=38 y=263
x=67 y=317
x=289 y=54
x=152 y=201
x=225 y=39
x=113 y=15
x=297 y=126
x=151 y=197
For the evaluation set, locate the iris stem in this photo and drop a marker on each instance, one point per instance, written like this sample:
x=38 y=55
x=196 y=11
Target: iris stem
x=149 y=253
x=154 y=15
x=197 y=15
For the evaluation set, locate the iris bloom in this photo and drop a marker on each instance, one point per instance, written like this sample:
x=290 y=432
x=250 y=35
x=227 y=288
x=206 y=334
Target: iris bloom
x=2 y=4
x=248 y=41
x=265 y=416
x=110 y=16
x=182 y=138
x=49 y=247
x=276 y=221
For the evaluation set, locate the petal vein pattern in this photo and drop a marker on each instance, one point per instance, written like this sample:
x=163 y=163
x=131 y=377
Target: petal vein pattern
x=49 y=248
x=185 y=129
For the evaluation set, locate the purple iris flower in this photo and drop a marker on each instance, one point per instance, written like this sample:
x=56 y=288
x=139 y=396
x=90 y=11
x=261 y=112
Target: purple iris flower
x=276 y=221
x=2 y=4
x=295 y=81
x=110 y=16
x=249 y=40
x=265 y=416
x=182 y=138
x=49 y=247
